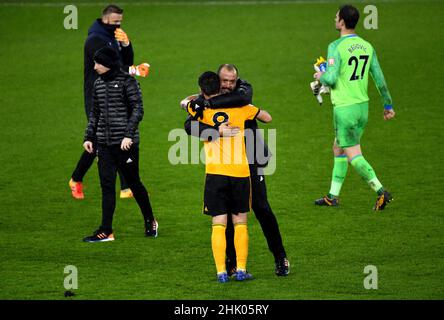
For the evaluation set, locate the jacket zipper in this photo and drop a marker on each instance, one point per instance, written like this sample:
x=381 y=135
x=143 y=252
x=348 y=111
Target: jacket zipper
x=106 y=114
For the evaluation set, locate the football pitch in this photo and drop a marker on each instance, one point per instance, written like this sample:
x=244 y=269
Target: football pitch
x=274 y=45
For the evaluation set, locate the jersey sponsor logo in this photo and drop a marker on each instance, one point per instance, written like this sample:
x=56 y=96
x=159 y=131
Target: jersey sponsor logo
x=331 y=61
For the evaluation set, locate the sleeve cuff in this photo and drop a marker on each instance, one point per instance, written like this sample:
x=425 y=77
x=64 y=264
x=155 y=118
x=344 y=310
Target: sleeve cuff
x=258 y=110
x=388 y=107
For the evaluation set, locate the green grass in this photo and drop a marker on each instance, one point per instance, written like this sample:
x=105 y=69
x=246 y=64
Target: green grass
x=42 y=117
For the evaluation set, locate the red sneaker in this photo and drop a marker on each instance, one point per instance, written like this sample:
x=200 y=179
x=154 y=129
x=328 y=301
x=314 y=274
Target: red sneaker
x=76 y=189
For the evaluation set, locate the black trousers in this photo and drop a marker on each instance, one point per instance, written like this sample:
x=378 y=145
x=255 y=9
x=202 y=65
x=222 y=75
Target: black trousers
x=264 y=215
x=85 y=162
x=112 y=158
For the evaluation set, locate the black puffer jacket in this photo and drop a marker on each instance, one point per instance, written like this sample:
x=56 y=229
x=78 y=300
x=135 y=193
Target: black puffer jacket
x=117 y=109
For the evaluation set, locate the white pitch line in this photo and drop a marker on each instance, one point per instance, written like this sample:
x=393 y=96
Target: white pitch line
x=195 y=3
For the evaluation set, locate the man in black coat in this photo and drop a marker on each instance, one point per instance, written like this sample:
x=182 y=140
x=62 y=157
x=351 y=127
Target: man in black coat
x=104 y=32
x=113 y=125
x=237 y=92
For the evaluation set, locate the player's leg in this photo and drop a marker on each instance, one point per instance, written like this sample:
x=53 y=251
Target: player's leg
x=86 y=159
x=241 y=244
x=218 y=245
x=367 y=173
x=216 y=204
x=125 y=190
x=128 y=163
x=107 y=172
x=268 y=222
x=240 y=200
x=364 y=169
x=340 y=168
x=340 y=164
x=85 y=162
x=354 y=154
x=231 y=250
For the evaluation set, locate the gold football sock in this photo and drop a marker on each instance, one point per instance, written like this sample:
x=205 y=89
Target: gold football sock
x=219 y=244
x=241 y=245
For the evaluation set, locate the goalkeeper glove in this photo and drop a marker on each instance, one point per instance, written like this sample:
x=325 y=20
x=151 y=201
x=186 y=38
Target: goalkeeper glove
x=318 y=89
x=316 y=86
x=141 y=70
x=121 y=36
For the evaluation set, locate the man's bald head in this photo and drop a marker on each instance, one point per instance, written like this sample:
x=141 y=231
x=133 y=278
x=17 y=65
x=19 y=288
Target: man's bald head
x=228 y=75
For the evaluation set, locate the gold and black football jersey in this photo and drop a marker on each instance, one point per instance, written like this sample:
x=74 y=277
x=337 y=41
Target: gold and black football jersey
x=227 y=155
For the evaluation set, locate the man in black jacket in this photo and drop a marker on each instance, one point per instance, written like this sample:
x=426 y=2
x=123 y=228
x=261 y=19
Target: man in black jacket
x=105 y=31
x=113 y=123
x=237 y=92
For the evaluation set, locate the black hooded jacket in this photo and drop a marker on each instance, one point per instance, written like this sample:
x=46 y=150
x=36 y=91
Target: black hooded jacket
x=99 y=36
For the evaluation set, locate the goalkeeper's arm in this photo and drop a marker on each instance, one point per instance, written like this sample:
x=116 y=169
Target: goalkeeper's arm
x=378 y=78
x=331 y=75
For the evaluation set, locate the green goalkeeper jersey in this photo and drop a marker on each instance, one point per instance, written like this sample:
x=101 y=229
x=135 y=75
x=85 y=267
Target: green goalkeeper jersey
x=349 y=61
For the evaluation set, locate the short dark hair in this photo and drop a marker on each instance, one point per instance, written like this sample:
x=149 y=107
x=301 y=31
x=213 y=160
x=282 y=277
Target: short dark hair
x=229 y=67
x=209 y=83
x=350 y=15
x=112 y=8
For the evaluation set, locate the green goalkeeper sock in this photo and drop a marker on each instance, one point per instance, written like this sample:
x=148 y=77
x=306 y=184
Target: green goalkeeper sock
x=338 y=176
x=367 y=173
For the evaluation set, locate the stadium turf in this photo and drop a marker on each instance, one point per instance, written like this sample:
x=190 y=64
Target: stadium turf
x=274 y=46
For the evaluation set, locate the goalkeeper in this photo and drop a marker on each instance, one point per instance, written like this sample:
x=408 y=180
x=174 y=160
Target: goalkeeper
x=350 y=60
x=104 y=32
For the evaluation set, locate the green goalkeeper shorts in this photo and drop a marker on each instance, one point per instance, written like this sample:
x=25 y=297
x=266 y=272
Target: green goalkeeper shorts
x=349 y=122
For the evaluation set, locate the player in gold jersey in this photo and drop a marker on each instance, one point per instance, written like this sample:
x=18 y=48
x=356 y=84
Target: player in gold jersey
x=227 y=184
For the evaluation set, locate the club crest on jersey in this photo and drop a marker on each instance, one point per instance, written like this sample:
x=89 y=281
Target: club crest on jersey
x=331 y=61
